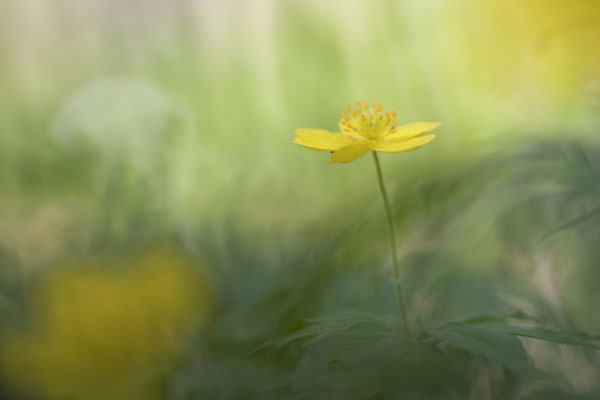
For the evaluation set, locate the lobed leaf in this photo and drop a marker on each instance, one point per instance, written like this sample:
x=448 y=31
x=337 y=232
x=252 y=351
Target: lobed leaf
x=500 y=347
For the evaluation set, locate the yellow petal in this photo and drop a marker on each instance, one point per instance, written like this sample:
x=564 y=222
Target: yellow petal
x=398 y=147
x=321 y=140
x=350 y=152
x=411 y=130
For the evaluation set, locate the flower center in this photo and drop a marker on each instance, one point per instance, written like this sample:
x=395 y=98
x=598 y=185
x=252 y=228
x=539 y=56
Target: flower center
x=369 y=122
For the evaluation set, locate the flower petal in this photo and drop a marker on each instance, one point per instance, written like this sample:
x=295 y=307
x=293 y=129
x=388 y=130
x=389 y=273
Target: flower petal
x=349 y=153
x=399 y=147
x=411 y=130
x=321 y=140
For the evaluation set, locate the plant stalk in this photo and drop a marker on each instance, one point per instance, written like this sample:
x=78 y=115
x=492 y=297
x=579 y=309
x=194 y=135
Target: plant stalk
x=392 y=236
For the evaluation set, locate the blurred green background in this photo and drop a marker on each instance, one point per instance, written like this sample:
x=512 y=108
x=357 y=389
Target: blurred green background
x=134 y=127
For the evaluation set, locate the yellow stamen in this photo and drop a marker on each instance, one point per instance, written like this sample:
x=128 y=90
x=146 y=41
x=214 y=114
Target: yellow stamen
x=369 y=122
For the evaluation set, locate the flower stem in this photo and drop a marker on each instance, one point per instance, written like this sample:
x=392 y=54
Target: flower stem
x=392 y=236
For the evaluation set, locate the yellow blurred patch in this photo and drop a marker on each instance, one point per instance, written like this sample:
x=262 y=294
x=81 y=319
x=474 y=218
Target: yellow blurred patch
x=101 y=332
x=550 y=43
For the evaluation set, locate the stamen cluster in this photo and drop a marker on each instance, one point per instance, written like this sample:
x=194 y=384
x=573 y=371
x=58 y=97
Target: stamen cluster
x=369 y=122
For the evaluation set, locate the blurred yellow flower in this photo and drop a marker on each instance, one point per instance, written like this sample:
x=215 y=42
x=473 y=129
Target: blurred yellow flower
x=102 y=333
x=366 y=128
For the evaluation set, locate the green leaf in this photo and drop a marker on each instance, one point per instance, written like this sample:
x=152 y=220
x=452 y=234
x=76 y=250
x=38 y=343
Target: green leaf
x=354 y=364
x=542 y=334
x=562 y=394
x=516 y=314
x=322 y=327
x=500 y=347
x=573 y=223
x=501 y=324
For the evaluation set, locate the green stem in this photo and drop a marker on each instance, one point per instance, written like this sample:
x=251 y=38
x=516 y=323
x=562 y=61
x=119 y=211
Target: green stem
x=388 y=212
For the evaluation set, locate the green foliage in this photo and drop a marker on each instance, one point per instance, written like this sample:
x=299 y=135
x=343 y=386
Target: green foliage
x=139 y=129
x=497 y=347
x=361 y=355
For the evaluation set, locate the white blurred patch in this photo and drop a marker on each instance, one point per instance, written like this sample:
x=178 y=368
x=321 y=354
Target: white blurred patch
x=123 y=119
x=138 y=133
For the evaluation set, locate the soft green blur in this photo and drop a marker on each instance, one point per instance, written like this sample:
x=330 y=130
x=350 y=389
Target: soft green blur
x=128 y=124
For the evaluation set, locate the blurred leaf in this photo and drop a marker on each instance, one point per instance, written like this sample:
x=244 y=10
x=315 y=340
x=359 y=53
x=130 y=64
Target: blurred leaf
x=361 y=364
x=499 y=324
x=319 y=328
x=548 y=335
x=495 y=346
x=573 y=223
x=557 y=394
x=214 y=380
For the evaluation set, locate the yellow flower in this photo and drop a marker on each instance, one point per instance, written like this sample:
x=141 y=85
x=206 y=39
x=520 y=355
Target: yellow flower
x=101 y=333
x=366 y=128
